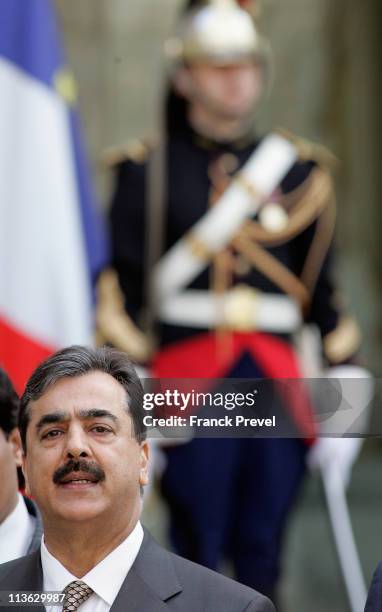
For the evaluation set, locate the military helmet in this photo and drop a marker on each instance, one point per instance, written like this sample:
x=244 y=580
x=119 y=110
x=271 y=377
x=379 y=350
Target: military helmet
x=252 y=6
x=218 y=31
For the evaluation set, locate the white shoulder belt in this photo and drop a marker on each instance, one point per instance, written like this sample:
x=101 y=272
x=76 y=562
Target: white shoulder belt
x=250 y=187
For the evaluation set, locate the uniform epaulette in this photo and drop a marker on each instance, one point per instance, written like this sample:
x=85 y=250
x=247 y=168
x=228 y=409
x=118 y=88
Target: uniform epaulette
x=114 y=325
x=134 y=149
x=308 y=150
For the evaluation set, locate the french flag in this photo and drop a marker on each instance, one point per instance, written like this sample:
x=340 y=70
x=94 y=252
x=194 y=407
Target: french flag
x=52 y=241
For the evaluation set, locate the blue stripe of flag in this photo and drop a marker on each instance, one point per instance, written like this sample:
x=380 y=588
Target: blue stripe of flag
x=30 y=39
x=92 y=221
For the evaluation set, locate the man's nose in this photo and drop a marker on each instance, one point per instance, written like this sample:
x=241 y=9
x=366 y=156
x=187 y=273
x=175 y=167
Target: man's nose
x=77 y=443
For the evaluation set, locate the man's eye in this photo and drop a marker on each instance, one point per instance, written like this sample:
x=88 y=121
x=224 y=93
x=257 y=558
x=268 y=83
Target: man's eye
x=100 y=429
x=53 y=433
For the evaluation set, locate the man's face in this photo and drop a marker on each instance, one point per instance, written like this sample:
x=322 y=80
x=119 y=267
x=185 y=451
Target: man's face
x=232 y=91
x=10 y=459
x=82 y=460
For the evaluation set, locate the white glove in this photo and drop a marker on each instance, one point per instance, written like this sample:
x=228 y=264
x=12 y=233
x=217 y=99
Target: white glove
x=339 y=452
x=352 y=414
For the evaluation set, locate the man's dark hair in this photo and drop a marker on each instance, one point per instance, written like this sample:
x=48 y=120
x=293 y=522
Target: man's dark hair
x=76 y=361
x=9 y=404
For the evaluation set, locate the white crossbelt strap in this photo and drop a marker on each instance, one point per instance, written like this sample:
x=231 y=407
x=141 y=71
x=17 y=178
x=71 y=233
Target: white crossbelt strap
x=251 y=186
x=241 y=309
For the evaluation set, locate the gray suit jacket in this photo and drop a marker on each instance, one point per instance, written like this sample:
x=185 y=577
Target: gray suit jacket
x=38 y=529
x=158 y=581
x=374 y=597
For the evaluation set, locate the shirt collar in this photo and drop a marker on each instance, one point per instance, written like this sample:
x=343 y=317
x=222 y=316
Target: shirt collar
x=105 y=578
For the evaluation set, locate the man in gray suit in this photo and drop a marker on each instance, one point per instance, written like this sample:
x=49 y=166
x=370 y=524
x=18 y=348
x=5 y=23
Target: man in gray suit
x=20 y=521
x=85 y=460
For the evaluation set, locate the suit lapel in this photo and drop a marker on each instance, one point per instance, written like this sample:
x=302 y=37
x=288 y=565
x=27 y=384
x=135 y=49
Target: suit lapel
x=150 y=582
x=28 y=577
x=135 y=595
x=38 y=531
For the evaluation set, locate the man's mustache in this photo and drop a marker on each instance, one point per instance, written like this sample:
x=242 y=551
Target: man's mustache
x=79 y=465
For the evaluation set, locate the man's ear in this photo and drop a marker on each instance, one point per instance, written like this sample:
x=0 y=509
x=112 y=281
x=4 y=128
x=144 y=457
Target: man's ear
x=182 y=82
x=17 y=449
x=21 y=460
x=24 y=471
x=144 y=469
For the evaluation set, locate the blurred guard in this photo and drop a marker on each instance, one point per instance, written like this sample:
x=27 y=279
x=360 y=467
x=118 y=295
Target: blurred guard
x=238 y=254
x=20 y=522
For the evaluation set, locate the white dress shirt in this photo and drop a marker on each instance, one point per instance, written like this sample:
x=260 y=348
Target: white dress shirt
x=105 y=578
x=16 y=532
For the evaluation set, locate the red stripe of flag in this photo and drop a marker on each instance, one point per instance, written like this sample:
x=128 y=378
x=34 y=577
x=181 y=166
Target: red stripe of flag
x=20 y=354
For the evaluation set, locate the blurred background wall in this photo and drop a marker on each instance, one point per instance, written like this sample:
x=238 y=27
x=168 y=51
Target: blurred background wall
x=327 y=88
